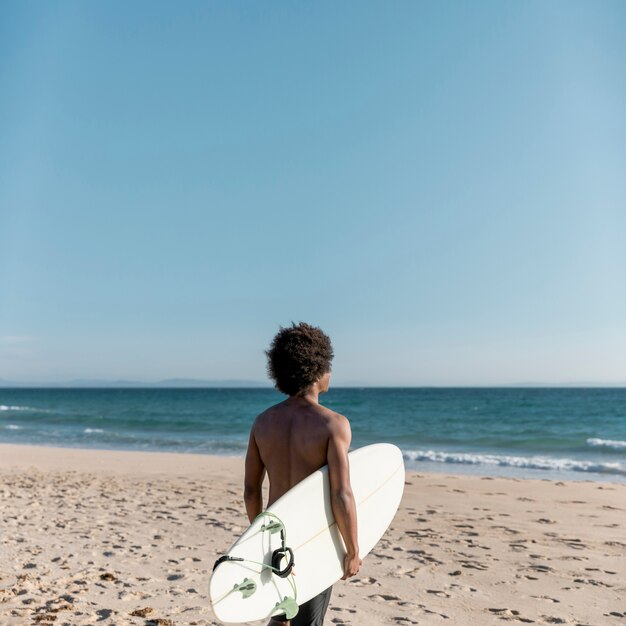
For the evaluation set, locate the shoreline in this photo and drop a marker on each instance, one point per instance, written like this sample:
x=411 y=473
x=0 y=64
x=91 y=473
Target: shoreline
x=427 y=467
x=124 y=538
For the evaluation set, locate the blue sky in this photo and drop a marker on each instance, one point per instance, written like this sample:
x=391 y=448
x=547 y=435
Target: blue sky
x=439 y=185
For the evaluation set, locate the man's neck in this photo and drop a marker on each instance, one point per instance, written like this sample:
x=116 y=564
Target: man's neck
x=310 y=396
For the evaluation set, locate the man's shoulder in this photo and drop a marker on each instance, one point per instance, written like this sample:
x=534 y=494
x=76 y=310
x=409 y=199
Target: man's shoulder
x=267 y=414
x=336 y=421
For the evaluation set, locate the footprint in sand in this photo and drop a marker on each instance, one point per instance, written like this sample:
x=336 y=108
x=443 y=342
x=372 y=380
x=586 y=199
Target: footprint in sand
x=548 y=598
x=408 y=605
x=402 y=572
x=474 y=565
x=383 y=597
x=362 y=582
x=424 y=557
x=464 y=588
x=518 y=547
x=591 y=581
x=381 y=555
x=510 y=614
x=541 y=568
x=431 y=612
x=506 y=529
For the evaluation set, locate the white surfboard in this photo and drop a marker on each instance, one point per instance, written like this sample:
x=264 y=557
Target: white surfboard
x=248 y=590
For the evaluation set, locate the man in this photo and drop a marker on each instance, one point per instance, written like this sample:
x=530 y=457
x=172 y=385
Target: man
x=295 y=438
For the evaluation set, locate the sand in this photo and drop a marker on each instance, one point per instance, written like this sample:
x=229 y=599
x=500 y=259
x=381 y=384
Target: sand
x=100 y=538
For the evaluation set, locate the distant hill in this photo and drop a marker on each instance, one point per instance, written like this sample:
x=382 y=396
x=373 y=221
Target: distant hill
x=166 y=383
x=567 y=385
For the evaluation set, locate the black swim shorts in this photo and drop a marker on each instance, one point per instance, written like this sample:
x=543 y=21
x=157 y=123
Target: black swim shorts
x=311 y=613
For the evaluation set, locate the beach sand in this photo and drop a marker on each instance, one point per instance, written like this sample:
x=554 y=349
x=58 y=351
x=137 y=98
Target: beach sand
x=103 y=537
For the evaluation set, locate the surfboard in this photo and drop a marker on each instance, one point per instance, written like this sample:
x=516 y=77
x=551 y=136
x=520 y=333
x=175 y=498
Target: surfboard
x=243 y=586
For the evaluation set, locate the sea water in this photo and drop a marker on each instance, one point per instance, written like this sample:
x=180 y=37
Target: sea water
x=556 y=433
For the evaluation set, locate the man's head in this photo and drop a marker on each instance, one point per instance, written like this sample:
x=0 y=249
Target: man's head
x=299 y=356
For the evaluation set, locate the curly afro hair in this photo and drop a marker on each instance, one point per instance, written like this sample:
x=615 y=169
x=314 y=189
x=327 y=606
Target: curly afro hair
x=298 y=356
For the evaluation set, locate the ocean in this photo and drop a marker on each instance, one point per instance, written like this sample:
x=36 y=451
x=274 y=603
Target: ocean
x=555 y=433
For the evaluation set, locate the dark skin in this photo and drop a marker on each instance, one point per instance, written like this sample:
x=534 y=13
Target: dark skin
x=290 y=441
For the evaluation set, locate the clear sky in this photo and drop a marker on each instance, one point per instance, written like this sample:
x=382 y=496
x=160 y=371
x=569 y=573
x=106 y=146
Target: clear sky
x=439 y=185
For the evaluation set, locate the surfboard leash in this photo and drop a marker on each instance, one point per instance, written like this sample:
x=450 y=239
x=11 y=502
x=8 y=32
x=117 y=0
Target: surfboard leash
x=247 y=587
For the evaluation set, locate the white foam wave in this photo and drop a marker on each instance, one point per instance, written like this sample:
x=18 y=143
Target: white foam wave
x=4 y=407
x=89 y=431
x=607 y=443
x=533 y=462
x=12 y=427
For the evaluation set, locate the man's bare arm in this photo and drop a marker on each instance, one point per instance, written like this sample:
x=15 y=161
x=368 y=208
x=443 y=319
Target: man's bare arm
x=342 y=498
x=253 y=481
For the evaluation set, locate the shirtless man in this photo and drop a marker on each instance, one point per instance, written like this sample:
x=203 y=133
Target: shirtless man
x=293 y=439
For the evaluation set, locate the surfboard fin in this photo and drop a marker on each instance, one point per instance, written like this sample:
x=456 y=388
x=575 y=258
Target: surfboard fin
x=288 y=606
x=247 y=587
x=272 y=527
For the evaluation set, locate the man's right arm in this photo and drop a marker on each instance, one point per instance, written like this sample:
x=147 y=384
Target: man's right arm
x=341 y=496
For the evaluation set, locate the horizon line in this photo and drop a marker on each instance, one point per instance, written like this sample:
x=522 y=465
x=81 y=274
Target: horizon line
x=184 y=383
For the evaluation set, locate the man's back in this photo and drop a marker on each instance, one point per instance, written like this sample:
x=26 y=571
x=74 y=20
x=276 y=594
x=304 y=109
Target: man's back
x=292 y=438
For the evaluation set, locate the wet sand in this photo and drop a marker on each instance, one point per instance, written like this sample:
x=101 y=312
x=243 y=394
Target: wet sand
x=121 y=538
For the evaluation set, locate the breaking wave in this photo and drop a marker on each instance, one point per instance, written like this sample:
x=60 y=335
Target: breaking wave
x=5 y=407
x=532 y=462
x=607 y=443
